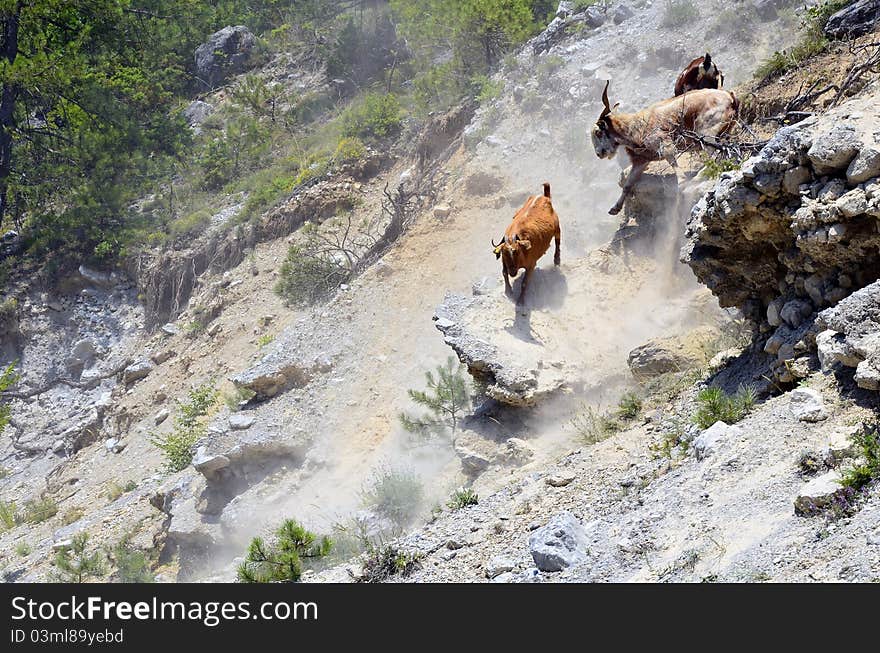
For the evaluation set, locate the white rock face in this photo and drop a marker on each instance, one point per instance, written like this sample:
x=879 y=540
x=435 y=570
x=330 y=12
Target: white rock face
x=709 y=441
x=807 y=405
x=833 y=348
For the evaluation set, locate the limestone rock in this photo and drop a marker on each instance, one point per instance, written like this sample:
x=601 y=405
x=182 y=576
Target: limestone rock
x=561 y=543
x=499 y=565
x=241 y=421
x=865 y=166
x=818 y=494
x=710 y=440
x=807 y=405
x=226 y=52
x=137 y=371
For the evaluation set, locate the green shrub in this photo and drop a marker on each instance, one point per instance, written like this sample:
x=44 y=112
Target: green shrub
x=8 y=378
x=592 y=426
x=307 y=275
x=381 y=563
x=132 y=565
x=200 y=401
x=188 y=428
x=487 y=89
x=266 y=193
x=629 y=406
x=9 y=518
x=394 y=493
x=39 y=510
x=177 y=447
x=715 y=405
x=75 y=565
x=811 y=43
x=713 y=166
x=867 y=443
x=375 y=116
x=448 y=397
x=23 y=549
x=462 y=498
x=237 y=397
x=115 y=490
x=282 y=561
x=349 y=149
x=190 y=223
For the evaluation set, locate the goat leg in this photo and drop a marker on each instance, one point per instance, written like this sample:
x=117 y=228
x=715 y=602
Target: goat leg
x=556 y=253
x=522 y=292
x=507 y=289
x=632 y=179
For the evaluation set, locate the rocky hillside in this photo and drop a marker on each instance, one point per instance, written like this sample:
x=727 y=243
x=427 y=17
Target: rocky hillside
x=296 y=408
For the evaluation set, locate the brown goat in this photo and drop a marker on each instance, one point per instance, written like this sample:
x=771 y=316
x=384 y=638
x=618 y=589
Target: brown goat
x=699 y=73
x=659 y=131
x=527 y=239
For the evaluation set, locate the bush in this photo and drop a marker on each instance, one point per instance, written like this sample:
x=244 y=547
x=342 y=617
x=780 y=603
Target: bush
x=867 y=442
x=37 y=511
x=713 y=167
x=283 y=560
x=376 y=116
x=74 y=565
x=462 y=498
x=309 y=275
x=447 y=398
x=812 y=41
x=395 y=494
x=592 y=426
x=23 y=549
x=132 y=565
x=679 y=12
x=629 y=406
x=382 y=563
x=188 y=428
x=715 y=405
x=115 y=490
x=349 y=149
x=190 y=223
x=9 y=518
x=8 y=378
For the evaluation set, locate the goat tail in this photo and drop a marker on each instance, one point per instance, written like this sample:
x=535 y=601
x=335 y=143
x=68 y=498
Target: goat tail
x=735 y=103
x=546 y=189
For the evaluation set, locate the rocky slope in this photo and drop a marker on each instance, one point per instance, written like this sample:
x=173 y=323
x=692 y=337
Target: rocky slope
x=331 y=380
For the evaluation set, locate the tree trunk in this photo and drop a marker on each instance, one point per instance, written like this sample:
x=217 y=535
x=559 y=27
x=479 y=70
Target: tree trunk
x=8 y=98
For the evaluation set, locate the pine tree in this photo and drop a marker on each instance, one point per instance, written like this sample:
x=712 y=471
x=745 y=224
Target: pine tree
x=283 y=561
x=74 y=565
x=447 y=398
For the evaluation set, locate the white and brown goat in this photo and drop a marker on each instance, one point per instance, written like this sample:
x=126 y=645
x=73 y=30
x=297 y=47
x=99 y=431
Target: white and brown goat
x=661 y=130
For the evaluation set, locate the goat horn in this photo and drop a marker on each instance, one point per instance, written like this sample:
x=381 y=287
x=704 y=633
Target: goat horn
x=607 y=108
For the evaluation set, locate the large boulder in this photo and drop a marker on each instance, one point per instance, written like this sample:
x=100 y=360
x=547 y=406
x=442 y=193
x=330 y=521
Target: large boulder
x=854 y=20
x=794 y=230
x=226 y=52
x=673 y=354
x=561 y=543
x=807 y=405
